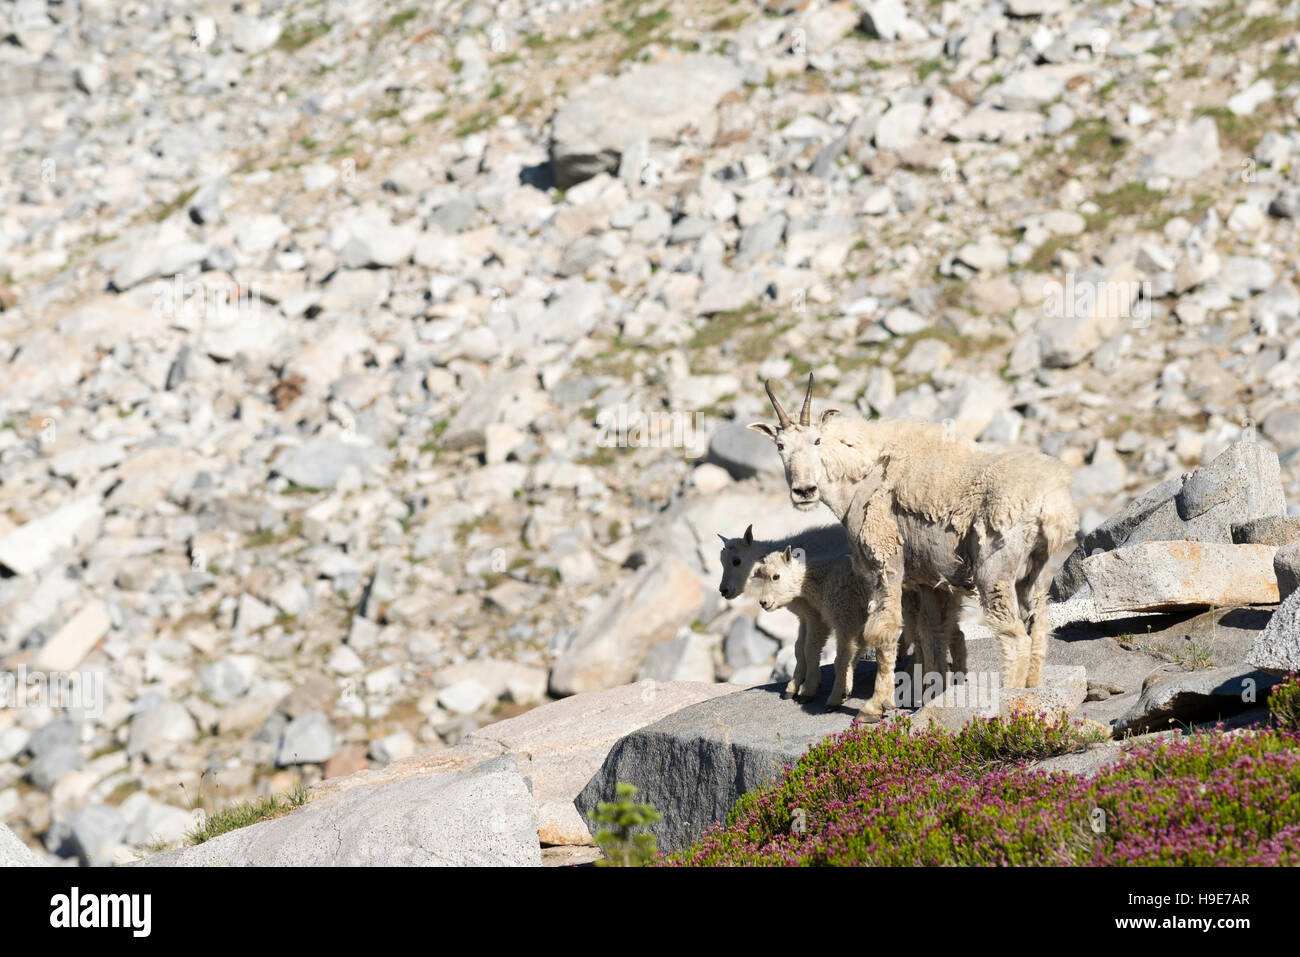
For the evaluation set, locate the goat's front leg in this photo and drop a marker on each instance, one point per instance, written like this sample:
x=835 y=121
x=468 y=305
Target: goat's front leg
x=812 y=655
x=881 y=633
x=800 y=665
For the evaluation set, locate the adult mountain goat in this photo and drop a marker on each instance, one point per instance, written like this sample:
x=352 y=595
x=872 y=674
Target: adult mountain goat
x=927 y=509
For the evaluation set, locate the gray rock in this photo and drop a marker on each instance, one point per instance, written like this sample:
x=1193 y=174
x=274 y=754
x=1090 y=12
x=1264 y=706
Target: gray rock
x=743 y=452
x=1187 y=154
x=13 y=741
x=1275 y=530
x=1286 y=204
x=1243 y=276
x=694 y=764
x=687 y=657
x=14 y=853
x=1193 y=697
x=225 y=680
x=1286 y=566
x=44 y=771
x=149 y=821
x=614 y=639
x=1282 y=425
x=1034 y=8
x=320 y=463
x=481 y=818
x=763 y=236
x=31 y=546
x=602 y=120
x=900 y=127
x=59 y=733
x=253 y=34
x=251 y=614
x=95 y=833
x=1277 y=649
x=159 y=731
x=453 y=216
x=882 y=19
x=745 y=645
x=488 y=404
x=309 y=739
x=1242 y=483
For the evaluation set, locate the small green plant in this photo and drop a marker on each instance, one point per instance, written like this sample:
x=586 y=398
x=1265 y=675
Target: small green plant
x=246 y=813
x=1284 y=703
x=618 y=820
x=298 y=35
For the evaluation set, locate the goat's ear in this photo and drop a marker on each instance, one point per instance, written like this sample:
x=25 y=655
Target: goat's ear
x=722 y=538
x=764 y=428
x=789 y=552
x=826 y=417
x=749 y=536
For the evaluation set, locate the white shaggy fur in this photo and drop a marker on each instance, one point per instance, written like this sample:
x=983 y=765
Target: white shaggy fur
x=927 y=509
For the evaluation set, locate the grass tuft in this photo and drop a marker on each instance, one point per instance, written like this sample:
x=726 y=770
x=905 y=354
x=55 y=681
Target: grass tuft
x=248 y=812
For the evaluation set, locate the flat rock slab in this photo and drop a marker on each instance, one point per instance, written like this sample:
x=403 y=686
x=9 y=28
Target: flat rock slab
x=694 y=764
x=1184 y=697
x=73 y=641
x=478 y=818
x=1276 y=530
x=32 y=546
x=1064 y=688
x=1159 y=576
x=613 y=641
x=1242 y=483
x=559 y=746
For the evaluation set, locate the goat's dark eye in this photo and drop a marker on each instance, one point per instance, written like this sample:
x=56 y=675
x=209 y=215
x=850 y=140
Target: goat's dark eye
x=817 y=442
x=735 y=563
x=776 y=578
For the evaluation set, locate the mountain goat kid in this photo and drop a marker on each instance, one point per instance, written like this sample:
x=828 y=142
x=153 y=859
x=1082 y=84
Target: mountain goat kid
x=839 y=598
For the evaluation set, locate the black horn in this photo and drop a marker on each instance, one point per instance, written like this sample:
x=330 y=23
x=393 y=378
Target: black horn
x=780 y=412
x=805 y=414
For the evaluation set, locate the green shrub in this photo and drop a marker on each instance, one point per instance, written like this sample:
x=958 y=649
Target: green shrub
x=620 y=819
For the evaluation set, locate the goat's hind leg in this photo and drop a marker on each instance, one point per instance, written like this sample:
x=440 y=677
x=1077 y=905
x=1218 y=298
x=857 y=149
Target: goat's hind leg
x=1000 y=613
x=1032 y=594
x=846 y=659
